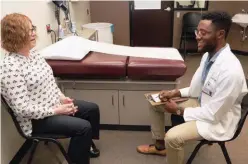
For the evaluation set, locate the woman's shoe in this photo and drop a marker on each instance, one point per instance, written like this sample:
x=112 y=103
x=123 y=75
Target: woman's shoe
x=94 y=152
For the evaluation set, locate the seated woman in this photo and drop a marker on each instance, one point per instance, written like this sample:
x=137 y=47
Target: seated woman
x=29 y=87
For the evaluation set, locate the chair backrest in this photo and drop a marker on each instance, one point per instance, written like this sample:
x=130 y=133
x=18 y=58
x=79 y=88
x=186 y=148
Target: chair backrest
x=186 y=6
x=190 y=22
x=244 y=113
x=10 y=111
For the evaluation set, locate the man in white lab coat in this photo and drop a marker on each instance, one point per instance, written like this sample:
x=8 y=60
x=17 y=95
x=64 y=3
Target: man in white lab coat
x=215 y=94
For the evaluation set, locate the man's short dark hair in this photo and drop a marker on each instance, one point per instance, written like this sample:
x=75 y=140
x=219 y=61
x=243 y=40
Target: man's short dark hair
x=221 y=20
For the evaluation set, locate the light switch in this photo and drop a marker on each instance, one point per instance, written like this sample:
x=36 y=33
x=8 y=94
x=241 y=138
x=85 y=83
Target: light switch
x=178 y=14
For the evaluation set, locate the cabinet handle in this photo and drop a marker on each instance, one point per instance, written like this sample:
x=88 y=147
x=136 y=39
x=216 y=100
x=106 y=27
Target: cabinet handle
x=112 y=100
x=123 y=100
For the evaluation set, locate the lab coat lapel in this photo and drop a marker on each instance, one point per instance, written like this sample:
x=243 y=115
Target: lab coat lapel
x=213 y=70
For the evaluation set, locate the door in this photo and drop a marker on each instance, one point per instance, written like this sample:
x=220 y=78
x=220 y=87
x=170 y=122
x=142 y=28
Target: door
x=107 y=100
x=151 y=23
x=134 y=109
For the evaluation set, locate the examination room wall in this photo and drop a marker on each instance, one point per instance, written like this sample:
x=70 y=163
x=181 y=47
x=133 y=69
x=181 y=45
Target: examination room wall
x=118 y=14
x=232 y=7
x=41 y=13
x=115 y=12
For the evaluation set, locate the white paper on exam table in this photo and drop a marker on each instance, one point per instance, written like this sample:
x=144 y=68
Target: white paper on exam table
x=75 y=48
x=146 y=52
x=66 y=49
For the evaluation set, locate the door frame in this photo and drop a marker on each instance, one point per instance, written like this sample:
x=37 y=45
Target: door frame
x=131 y=6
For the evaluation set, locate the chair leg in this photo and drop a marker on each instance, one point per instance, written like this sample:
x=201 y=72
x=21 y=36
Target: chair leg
x=34 y=146
x=191 y=158
x=180 y=45
x=184 y=46
x=62 y=151
x=21 y=152
x=225 y=153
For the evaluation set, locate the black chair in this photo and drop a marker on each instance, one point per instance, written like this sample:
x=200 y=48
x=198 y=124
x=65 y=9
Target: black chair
x=244 y=113
x=189 y=25
x=33 y=141
x=186 y=6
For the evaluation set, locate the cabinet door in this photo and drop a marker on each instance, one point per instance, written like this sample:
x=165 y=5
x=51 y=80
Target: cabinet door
x=134 y=109
x=107 y=100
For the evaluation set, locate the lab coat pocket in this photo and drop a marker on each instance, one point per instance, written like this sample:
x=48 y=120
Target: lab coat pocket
x=209 y=87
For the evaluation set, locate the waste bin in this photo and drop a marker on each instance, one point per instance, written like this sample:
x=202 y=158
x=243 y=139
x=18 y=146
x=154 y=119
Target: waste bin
x=104 y=31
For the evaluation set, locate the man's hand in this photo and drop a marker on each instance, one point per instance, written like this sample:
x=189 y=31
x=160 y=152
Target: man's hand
x=166 y=95
x=66 y=100
x=171 y=106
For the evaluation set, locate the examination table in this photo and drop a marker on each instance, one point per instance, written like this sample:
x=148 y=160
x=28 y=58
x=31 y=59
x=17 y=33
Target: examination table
x=118 y=84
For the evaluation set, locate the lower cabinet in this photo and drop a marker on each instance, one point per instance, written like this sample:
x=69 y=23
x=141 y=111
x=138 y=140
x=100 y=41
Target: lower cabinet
x=133 y=108
x=117 y=106
x=107 y=100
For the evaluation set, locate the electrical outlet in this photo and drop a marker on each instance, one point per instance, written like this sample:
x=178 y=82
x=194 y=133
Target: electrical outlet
x=48 y=28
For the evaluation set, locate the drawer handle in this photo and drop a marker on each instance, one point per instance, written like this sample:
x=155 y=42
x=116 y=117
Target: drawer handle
x=123 y=100
x=112 y=100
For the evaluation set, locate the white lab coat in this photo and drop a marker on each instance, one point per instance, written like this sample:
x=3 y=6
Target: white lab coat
x=222 y=93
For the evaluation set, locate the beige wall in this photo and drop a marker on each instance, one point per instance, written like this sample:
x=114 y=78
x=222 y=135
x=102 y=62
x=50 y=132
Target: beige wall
x=41 y=13
x=11 y=141
x=79 y=12
x=115 y=12
x=31 y=9
x=118 y=14
x=234 y=37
